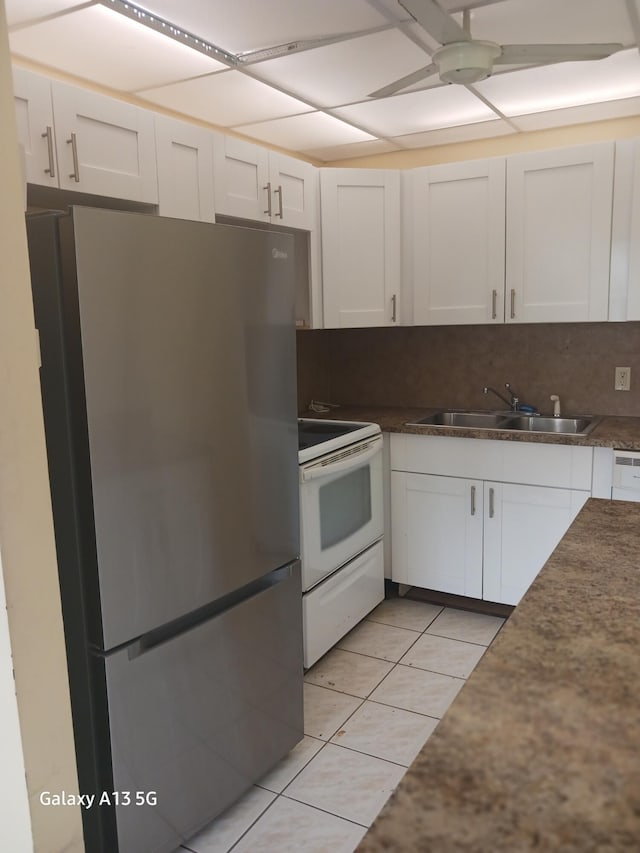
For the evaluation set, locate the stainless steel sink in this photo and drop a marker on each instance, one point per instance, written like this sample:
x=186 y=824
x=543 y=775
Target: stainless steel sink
x=581 y=425
x=560 y=426
x=473 y=420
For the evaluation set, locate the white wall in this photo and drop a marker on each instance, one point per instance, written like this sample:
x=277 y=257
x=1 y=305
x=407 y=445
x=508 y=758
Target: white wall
x=34 y=645
x=15 y=823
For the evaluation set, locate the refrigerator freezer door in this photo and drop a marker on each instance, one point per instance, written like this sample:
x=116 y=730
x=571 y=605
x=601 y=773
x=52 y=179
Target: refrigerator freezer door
x=199 y=718
x=188 y=354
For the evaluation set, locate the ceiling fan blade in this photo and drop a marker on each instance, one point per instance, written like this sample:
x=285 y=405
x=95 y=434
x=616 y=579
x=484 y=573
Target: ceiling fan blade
x=513 y=54
x=435 y=21
x=403 y=82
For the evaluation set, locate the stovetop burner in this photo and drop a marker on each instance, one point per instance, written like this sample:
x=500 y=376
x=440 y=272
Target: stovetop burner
x=312 y=432
x=317 y=436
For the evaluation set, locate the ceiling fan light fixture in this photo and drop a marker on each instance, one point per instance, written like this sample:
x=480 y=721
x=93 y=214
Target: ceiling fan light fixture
x=466 y=61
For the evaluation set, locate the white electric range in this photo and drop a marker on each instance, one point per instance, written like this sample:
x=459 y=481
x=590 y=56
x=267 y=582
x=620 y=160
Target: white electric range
x=341 y=528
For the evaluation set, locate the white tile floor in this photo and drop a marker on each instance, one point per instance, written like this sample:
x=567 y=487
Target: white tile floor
x=370 y=704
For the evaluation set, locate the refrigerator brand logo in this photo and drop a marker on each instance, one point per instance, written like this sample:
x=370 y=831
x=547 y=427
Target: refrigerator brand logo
x=278 y=253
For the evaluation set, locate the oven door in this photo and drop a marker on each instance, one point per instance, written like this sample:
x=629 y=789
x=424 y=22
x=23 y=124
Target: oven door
x=341 y=510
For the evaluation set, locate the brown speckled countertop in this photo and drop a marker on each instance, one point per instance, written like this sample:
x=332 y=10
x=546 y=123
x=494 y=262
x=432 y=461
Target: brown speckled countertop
x=622 y=433
x=541 y=749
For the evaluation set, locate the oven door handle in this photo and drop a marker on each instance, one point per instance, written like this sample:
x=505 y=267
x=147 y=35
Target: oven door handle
x=319 y=470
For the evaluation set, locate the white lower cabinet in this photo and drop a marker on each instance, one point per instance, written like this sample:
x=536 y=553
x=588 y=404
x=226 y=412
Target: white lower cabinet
x=478 y=536
x=436 y=534
x=522 y=526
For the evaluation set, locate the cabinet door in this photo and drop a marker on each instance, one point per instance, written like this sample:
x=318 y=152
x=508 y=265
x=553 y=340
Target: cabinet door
x=36 y=134
x=294 y=194
x=105 y=146
x=458 y=243
x=625 y=254
x=360 y=214
x=437 y=532
x=559 y=234
x=241 y=176
x=185 y=170
x=523 y=525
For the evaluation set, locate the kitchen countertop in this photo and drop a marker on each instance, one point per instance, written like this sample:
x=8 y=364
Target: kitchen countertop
x=540 y=751
x=622 y=433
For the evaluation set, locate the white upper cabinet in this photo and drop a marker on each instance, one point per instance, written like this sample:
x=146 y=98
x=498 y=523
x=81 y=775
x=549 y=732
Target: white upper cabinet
x=458 y=215
x=185 y=170
x=294 y=192
x=252 y=182
x=241 y=177
x=105 y=146
x=559 y=206
x=79 y=140
x=624 y=298
x=360 y=214
x=36 y=133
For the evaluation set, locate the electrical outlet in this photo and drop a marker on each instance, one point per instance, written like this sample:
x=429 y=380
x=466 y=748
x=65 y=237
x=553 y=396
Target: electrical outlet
x=623 y=379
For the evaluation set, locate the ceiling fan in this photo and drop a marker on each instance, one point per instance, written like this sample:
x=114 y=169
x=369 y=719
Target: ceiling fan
x=465 y=60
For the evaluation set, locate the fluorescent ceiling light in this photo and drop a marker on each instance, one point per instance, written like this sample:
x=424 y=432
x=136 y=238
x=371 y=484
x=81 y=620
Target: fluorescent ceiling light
x=160 y=25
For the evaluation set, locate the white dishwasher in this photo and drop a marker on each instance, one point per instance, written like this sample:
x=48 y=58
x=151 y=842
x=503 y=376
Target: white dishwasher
x=626 y=475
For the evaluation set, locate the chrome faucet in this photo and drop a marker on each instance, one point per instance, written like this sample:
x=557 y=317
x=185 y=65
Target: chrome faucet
x=512 y=403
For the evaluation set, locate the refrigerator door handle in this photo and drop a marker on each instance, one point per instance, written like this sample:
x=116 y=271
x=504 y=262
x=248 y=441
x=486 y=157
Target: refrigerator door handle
x=184 y=624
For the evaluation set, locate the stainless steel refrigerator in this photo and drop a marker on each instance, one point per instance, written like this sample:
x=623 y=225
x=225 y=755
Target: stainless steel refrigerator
x=168 y=386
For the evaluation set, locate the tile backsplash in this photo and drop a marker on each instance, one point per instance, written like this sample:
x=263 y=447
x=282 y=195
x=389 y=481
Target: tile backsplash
x=450 y=365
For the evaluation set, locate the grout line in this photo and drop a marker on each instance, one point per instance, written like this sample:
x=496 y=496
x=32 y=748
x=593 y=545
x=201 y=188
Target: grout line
x=458 y=640
x=326 y=811
x=406 y=710
x=368 y=754
x=343 y=692
x=252 y=824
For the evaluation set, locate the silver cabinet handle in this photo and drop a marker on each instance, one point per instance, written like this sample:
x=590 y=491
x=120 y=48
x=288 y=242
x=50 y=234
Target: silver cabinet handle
x=278 y=192
x=267 y=187
x=74 y=153
x=48 y=135
x=491 y=503
x=473 y=500
x=494 y=304
x=513 y=304
x=394 y=306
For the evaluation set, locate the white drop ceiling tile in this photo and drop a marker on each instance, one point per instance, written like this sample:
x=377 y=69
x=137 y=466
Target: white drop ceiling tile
x=20 y=11
x=565 y=84
x=305 y=132
x=354 y=149
x=416 y=112
x=245 y=25
x=522 y=21
x=226 y=99
x=579 y=115
x=345 y=72
x=98 y=44
x=451 y=135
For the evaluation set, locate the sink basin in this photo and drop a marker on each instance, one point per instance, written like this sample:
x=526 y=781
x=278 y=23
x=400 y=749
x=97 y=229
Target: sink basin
x=561 y=426
x=474 y=420
x=581 y=425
